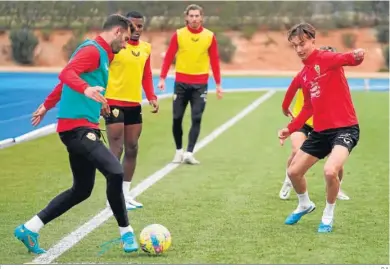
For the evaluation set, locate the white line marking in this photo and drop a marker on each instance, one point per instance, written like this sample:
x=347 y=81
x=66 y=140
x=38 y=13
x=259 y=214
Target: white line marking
x=73 y=238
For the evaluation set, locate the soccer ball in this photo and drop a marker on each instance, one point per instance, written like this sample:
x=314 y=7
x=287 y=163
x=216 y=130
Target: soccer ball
x=155 y=239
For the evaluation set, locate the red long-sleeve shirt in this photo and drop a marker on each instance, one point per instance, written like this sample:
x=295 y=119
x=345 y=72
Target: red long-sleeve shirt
x=187 y=78
x=86 y=60
x=326 y=92
x=291 y=91
x=147 y=84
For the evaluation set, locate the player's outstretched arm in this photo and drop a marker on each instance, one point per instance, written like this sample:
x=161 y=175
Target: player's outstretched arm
x=51 y=100
x=333 y=60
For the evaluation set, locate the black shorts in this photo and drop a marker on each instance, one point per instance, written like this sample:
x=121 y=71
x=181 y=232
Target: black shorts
x=190 y=92
x=320 y=144
x=195 y=94
x=126 y=115
x=306 y=130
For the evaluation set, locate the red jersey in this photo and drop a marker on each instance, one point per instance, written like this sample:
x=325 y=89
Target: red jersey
x=326 y=92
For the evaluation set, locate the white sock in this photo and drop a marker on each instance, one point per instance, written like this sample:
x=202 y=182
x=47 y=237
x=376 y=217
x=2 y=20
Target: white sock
x=34 y=224
x=304 y=202
x=287 y=179
x=126 y=188
x=123 y=230
x=179 y=151
x=327 y=216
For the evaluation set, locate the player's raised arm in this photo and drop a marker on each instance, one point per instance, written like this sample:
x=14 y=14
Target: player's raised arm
x=335 y=60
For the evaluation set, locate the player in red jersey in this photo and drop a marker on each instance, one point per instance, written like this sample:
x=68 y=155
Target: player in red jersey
x=83 y=81
x=298 y=137
x=336 y=130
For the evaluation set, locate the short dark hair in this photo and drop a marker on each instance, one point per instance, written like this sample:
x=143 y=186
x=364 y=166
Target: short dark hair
x=301 y=30
x=328 y=48
x=134 y=14
x=115 y=20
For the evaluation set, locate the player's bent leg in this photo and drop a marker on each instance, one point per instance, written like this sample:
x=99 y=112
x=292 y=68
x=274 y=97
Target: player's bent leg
x=333 y=165
x=296 y=171
x=297 y=139
x=179 y=105
x=344 y=140
x=83 y=181
x=132 y=134
x=84 y=173
x=107 y=163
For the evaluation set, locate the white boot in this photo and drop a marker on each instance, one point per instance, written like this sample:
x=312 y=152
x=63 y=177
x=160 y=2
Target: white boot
x=189 y=158
x=178 y=156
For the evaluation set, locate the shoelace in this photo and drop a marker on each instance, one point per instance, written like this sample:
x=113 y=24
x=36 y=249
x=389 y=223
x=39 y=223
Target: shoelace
x=101 y=135
x=107 y=245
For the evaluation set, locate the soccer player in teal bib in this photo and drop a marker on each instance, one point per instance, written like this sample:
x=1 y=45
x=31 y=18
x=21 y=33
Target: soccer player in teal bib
x=83 y=82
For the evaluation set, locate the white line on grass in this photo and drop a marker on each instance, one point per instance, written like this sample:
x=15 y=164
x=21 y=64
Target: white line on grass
x=73 y=238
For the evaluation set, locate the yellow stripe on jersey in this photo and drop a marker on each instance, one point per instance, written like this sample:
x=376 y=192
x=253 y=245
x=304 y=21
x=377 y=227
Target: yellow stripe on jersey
x=298 y=107
x=192 y=57
x=126 y=73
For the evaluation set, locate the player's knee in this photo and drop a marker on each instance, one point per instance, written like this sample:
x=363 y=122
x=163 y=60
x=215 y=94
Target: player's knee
x=115 y=177
x=131 y=150
x=116 y=146
x=178 y=114
x=196 y=118
x=177 y=119
x=294 y=172
x=82 y=193
x=119 y=150
x=330 y=172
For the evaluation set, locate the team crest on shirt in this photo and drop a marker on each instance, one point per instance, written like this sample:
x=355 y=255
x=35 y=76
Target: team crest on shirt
x=136 y=53
x=91 y=136
x=115 y=112
x=317 y=68
x=195 y=39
